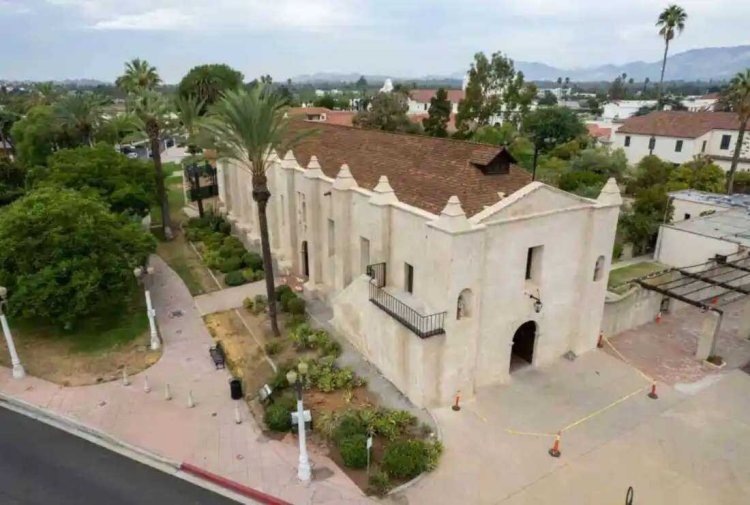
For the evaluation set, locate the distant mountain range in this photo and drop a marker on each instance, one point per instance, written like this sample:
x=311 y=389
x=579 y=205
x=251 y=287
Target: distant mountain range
x=710 y=63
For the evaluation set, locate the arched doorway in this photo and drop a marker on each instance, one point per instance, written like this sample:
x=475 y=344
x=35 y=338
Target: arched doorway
x=305 y=260
x=522 y=352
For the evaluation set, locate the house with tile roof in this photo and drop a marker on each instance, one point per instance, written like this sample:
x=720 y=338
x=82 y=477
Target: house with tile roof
x=442 y=262
x=678 y=136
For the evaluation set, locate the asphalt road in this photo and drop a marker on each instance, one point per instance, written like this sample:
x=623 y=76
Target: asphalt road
x=41 y=465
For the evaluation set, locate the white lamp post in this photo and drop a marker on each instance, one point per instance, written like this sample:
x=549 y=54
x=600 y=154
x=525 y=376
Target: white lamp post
x=18 y=371
x=144 y=274
x=295 y=379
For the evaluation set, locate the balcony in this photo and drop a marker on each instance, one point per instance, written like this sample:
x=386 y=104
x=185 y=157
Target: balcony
x=423 y=326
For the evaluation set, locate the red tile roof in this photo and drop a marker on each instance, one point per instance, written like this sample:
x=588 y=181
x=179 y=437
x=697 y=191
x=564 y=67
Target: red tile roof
x=424 y=95
x=597 y=131
x=341 y=117
x=670 y=123
x=423 y=171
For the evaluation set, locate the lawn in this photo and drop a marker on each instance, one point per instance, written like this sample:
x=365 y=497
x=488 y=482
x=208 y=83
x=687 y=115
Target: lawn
x=95 y=350
x=620 y=276
x=177 y=253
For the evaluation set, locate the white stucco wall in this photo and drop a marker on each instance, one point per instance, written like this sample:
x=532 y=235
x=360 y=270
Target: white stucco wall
x=683 y=208
x=680 y=248
x=664 y=147
x=449 y=253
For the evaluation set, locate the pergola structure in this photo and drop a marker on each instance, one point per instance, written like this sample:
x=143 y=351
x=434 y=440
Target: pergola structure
x=719 y=281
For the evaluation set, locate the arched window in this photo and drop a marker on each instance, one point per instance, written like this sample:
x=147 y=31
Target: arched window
x=598 y=268
x=464 y=304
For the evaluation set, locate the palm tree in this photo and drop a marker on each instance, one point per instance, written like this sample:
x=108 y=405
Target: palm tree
x=139 y=75
x=115 y=128
x=80 y=113
x=152 y=116
x=44 y=93
x=671 y=19
x=188 y=111
x=738 y=96
x=247 y=126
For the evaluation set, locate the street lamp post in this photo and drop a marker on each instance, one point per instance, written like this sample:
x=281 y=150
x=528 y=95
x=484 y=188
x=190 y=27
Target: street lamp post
x=18 y=371
x=144 y=274
x=296 y=380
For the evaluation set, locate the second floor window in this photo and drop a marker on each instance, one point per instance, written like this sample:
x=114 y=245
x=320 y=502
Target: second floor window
x=651 y=143
x=678 y=146
x=627 y=140
x=725 y=140
x=703 y=146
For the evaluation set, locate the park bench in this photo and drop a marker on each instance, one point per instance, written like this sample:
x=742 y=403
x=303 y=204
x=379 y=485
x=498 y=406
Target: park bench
x=217 y=355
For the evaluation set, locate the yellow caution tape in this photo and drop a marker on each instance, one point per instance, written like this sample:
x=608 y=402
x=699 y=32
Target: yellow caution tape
x=603 y=409
x=530 y=433
x=606 y=340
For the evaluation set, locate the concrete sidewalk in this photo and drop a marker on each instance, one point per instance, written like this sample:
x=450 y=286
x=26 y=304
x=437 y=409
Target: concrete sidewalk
x=205 y=435
x=228 y=298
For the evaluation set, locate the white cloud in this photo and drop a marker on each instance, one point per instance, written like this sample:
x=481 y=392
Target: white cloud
x=215 y=14
x=14 y=7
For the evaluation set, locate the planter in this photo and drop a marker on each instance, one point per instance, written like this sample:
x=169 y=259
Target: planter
x=715 y=366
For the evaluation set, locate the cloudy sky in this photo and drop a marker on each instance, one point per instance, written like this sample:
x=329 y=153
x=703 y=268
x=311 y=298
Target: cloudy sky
x=62 y=39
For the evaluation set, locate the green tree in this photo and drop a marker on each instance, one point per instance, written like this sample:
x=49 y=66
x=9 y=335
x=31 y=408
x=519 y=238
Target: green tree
x=651 y=208
x=189 y=110
x=617 y=90
x=208 y=82
x=548 y=99
x=126 y=185
x=80 y=113
x=115 y=129
x=326 y=101
x=548 y=127
x=602 y=161
x=247 y=126
x=12 y=181
x=362 y=84
x=494 y=90
x=738 y=98
x=650 y=171
x=7 y=120
x=671 y=21
x=594 y=106
x=65 y=256
x=698 y=174
x=387 y=112
x=36 y=135
x=439 y=113
x=502 y=135
x=139 y=75
x=152 y=116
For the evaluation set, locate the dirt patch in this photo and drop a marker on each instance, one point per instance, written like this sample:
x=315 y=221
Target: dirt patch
x=58 y=361
x=245 y=357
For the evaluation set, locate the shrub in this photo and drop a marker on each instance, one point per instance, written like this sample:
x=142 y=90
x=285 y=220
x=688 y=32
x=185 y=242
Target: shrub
x=287 y=297
x=253 y=260
x=258 y=275
x=280 y=290
x=349 y=425
x=248 y=303
x=214 y=240
x=248 y=274
x=278 y=414
x=273 y=348
x=300 y=336
x=326 y=423
x=331 y=348
x=234 y=278
x=379 y=483
x=230 y=264
x=354 y=451
x=617 y=251
x=405 y=459
x=212 y=259
x=278 y=382
x=294 y=321
x=260 y=302
x=224 y=227
x=296 y=306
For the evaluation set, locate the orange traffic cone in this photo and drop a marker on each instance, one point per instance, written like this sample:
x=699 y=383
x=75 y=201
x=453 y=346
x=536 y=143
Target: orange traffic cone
x=658 y=317
x=456 y=406
x=599 y=342
x=714 y=300
x=555 y=451
x=653 y=394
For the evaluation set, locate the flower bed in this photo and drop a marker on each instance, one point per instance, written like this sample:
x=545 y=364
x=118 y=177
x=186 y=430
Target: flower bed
x=343 y=412
x=222 y=252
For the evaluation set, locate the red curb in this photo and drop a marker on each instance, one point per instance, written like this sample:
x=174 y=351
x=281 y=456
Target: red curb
x=232 y=485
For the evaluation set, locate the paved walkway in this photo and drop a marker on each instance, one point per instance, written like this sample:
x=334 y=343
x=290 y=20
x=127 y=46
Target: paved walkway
x=228 y=298
x=205 y=435
x=691 y=450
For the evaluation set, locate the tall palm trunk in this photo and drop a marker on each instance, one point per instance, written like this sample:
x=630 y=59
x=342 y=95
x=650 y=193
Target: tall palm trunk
x=736 y=156
x=161 y=192
x=661 y=79
x=261 y=195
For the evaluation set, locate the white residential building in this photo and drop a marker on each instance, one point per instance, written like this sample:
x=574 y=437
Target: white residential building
x=678 y=136
x=705 y=103
x=620 y=110
x=419 y=100
x=444 y=265
x=704 y=225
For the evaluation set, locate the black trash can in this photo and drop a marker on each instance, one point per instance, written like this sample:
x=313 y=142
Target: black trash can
x=235 y=388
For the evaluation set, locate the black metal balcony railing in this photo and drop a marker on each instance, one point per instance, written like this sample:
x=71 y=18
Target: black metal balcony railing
x=422 y=325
